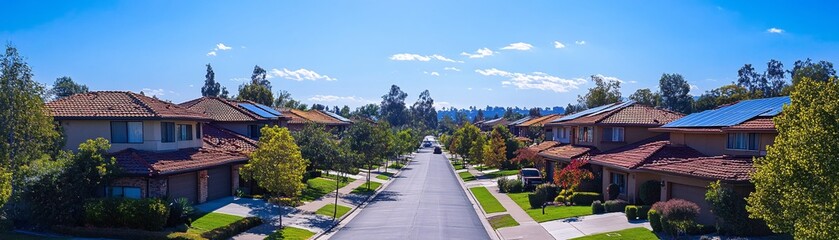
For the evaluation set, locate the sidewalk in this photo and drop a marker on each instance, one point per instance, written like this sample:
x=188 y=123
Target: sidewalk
x=528 y=228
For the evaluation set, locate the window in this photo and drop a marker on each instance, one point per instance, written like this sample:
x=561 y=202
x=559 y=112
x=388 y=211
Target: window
x=167 y=132
x=585 y=134
x=198 y=131
x=743 y=141
x=613 y=134
x=253 y=131
x=125 y=192
x=620 y=180
x=127 y=132
x=184 y=132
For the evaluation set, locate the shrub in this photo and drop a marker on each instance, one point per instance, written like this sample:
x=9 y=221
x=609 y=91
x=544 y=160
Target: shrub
x=729 y=209
x=180 y=211
x=631 y=212
x=597 y=207
x=615 y=205
x=655 y=220
x=514 y=186
x=284 y=201
x=560 y=199
x=642 y=211
x=535 y=200
x=149 y=213
x=614 y=190
x=546 y=191
x=584 y=198
x=680 y=210
x=667 y=228
x=502 y=184
x=233 y=229
x=650 y=192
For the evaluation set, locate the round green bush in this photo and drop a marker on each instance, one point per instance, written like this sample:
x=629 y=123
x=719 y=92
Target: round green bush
x=535 y=200
x=631 y=212
x=650 y=192
x=642 y=211
x=547 y=191
x=514 y=186
x=584 y=198
x=655 y=220
x=597 y=207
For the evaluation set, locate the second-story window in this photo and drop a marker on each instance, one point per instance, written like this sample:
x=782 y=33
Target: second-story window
x=613 y=134
x=184 y=132
x=167 y=132
x=253 y=131
x=127 y=132
x=743 y=141
x=585 y=134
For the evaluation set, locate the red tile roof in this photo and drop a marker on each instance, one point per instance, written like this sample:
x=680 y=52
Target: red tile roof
x=226 y=140
x=116 y=105
x=544 y=146
x=634 y=114
x=523 y=139
x=633 y=155
x=147 y=163
x=719 y=167
x=302 y=117
x=539 y=120
x=221 y=109
x=566 y=152
x=755 y=124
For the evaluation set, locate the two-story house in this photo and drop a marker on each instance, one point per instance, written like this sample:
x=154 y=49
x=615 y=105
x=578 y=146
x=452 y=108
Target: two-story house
x=534 y=127
x=159 y=145
x=243 y=117
x=513 y=125
x=299 y=119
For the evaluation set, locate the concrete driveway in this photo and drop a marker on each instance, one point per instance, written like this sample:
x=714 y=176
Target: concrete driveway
x=592 y=224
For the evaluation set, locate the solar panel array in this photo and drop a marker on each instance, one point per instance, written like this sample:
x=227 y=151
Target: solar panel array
x=595 y=111
x=268 y=109
x=733 y=114
x=524 y=119
x=336 y=116
x=258 y=111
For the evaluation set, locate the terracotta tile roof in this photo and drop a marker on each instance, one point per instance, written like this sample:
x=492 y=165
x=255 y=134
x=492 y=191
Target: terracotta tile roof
x=222 y=110
x=634 y=114
x=566 y=152
x=302 y=117
x=539 y=120
x=117 y=104
x=719 y=167
x=634 y=155
x=544 y=146
x=494 y=122
x=755 y=124
x=222 y=139
x=523 y=139
x=147 y=163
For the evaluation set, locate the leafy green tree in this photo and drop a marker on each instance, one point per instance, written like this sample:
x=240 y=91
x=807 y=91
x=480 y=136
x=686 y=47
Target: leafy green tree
x=26 y=127
x=64 y=86
x=797 y=181
x=604 y=92
x=479 y=116
x=447 y=124
x=467 y=137
x=495 y=153
x=675 y=93
x=534 y=112
x=776 y=79
x=423 y=112
x=645 y=96
x=368 y=111
x=277 y=165
x=816 y=71
x=721 y=96
x=368 y=142
x=345 y=111
x=476 y=152
x=316 y=145
x=260 y=77
x=257 y=93
x=393 y=106
x=212 y=88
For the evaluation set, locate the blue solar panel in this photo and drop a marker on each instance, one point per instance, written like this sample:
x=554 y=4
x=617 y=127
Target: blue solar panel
x=256 y=110
x=524 y=119
x=613 y=107
x=336 y=116
x=733 y=114
x=583 y=113
x=268 y=109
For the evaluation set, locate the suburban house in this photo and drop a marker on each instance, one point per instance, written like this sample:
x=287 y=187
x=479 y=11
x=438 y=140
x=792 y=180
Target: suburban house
x=164 y=149
x=243 y=117
x=300 y=118
x=488 y=125
x=512 y=125
x=525 y=128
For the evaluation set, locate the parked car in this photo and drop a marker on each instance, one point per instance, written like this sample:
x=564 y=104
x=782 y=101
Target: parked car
x=530 y=177
x=438 y=150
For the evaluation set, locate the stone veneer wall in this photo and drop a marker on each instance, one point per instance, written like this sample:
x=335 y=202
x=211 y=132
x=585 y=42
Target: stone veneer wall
x=203 y=179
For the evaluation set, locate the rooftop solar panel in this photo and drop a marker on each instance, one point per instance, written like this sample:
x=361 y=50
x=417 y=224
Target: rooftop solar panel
x=268 y=109
x=256 y=110
x=583 y=113
x=733 y=114
x=336 y=116
x=613 y=107
x=524 y=119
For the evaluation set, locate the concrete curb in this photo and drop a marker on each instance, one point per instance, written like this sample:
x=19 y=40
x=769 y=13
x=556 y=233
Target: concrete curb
x=493 y=234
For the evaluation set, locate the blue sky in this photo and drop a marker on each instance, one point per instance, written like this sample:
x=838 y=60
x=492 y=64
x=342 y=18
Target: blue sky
x=342 y=52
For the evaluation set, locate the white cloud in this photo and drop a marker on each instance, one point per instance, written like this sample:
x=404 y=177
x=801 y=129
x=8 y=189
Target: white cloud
x=775 y=30
x=633 y=81
x=240 y=79
x=694 y=90
x=452 y=69
x=191 y=85
x=535 y=80
x=153 y=92
x=480 y=53
x=299 y=75
x=211 y=53
x=221 y=46
x=558 y=44
x=607 y=78
x=432 y=73
x=470 y=89
x=438 y=104
x=581 y=42
x=421 y=58
x=342 y=100
x=488 y=89
x=521 y=46
x=441 y=58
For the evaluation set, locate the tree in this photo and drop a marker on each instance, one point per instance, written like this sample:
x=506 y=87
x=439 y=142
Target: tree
x=820 y=71
x=799 y=176
x=447 y=124
x=495 y=153
x=64 y=86
x=645 y=96
x=466 y=139
x=345 y=111
x=318 y=106
x=212 y=88
x=479 y=117
x=393 y=106
x=277 y=165
x=604 y=92
x=460 y=118
x=573 y=174
x=476 y=152
x=368 y=111
x=573 y=108
x=260 y=77
x=26 y=127
x=749 y=79
x=675 y=93
x=257 y=93
x=721 y=96
x=529 y=157
x=535 y=112
x=316 y=145
x=366 y=141
x=776 y=79
x=423 y=112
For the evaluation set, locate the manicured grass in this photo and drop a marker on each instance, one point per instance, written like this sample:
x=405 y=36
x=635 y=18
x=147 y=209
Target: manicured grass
x=502 y=221
x=317 y=187
x=484 y=168
x=20 y=236
x=551 y=212
x=466 y=176
x=501 y=173
x=291 y=233
x=364 y=190
x=457 y=166
x=382 y=177
x=488 y=202
x=335 y=178
x=212 y=221
x=329 y=209
x=632 y=233
x=396 y=166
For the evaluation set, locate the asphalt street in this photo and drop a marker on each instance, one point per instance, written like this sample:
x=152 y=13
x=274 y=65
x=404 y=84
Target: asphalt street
x=424 y=202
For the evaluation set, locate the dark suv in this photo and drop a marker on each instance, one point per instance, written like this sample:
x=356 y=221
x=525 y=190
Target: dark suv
x=437 y=150
x=530 y=177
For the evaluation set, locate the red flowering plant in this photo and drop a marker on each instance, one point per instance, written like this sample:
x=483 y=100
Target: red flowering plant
x=573 y=174
x=528 y=156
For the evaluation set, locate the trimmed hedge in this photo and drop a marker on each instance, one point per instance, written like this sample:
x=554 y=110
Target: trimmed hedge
x=642 y=211
x=510 y=185
x=584 y=198
x=615 y=205
x=536 y=201
x=547 y=192
x=148 y=213
x=631 y=212
x=225 y=232
x=655 y=220
x=597 y=207
x=233 y=229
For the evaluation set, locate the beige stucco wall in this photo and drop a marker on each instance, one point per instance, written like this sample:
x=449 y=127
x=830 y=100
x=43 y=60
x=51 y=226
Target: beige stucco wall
x=79 y=131
x=631 y=135
x=715 y=144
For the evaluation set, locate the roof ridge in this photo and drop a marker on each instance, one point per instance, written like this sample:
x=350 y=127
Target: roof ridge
x=613 y=111
x=143 y=103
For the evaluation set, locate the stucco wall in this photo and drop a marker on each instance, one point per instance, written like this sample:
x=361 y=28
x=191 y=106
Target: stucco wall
x=79 y=131
x=715 y=144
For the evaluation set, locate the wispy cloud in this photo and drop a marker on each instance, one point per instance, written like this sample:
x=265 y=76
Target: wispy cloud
x=432 y=73
x=521 y=46
x=558 y=44
x=240 y=79
x=580 y=42
x=211 y=53
x=348 y=100
x=153 y=92
x=480 y=53
x=421 y=58
x=221 y=46
x=300 y=75
x=439 y=104
x=607 y=78
x=441 y=58
x=775 y=30
x=452 y=69
x=535 y=80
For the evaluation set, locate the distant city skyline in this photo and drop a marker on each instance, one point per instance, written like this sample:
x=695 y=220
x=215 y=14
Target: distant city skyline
x=467 y=53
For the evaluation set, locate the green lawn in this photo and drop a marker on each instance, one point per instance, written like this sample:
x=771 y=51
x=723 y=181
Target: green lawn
x=632 y=233
x=382 y=177
x=364 y=190
x=317 y=187
x=466 y=176
x=501 y=173
x=502 y=221
x=329 y=209
x=212 y=221
x=291 y=233
x=20 y=236
x=488 y=202
x=396 y=166
x=457 y=166
x=484 y=168
x=551 y=212
x=335 y=178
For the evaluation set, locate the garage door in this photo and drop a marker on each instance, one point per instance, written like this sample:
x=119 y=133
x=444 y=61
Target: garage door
x=696 y=195
x=184 y=186
x=218 y=185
